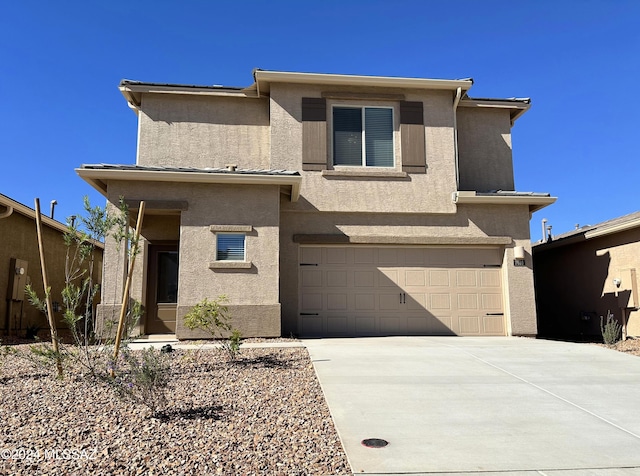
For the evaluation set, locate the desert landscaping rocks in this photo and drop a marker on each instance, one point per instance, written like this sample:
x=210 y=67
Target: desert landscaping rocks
x=262 y=415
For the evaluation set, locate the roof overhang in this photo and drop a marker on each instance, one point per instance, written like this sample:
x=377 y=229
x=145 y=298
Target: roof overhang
x=133 y=91
x=265 y=78
x=11 y=206
x=98 y=178
x=535 y=201
x=516 y=106
x=609 y=230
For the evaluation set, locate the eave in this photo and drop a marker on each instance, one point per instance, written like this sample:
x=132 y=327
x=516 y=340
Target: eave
x=535 y=201
x=516 y=106
x=16 y=207
x=265 y=78
x=99 y=178
x=133 y=91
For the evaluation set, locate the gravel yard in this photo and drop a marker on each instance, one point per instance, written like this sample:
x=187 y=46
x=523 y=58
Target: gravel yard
x=264 y=414
x=629 y=346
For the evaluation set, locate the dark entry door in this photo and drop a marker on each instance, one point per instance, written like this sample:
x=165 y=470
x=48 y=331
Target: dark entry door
x=162 y=288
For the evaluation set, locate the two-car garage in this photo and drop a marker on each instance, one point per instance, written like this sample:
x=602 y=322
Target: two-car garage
x=390 y=290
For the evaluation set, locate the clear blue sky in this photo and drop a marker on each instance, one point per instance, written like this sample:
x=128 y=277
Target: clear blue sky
x=61 y=62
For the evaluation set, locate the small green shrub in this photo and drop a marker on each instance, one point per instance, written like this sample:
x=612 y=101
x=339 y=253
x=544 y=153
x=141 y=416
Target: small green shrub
x=213 y=317
x=232 y=345
x=611 y=330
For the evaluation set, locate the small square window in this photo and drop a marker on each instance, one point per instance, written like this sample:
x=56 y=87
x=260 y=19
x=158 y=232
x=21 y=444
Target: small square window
x=230 y=247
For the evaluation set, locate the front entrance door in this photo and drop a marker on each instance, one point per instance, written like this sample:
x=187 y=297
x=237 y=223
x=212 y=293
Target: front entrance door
x=162 y=288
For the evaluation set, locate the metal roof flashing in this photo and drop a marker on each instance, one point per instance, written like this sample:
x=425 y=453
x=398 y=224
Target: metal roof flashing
x=536 y=201
x=98 y=175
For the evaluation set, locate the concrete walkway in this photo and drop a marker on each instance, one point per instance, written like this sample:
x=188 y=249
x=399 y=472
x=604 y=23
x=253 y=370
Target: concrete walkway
x=490 y=406
x=158 y=340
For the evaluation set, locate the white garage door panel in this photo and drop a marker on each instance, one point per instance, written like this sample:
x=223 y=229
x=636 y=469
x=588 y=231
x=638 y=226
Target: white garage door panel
x=400 y=291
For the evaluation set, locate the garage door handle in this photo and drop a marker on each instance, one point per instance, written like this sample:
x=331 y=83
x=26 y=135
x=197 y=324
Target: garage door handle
x=403 y=298
x=308 y=313
x=494 y=314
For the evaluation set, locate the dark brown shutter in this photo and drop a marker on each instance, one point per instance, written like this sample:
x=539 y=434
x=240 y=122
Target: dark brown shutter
x=412 y=144
x=314 y=133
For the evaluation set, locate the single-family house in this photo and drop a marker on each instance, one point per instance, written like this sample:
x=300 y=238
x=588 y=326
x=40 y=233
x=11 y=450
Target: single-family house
x=587 y=273
x=325 y=205
x=20 y=265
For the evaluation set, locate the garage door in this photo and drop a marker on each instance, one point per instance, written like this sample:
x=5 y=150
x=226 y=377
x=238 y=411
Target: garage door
x=366 y=291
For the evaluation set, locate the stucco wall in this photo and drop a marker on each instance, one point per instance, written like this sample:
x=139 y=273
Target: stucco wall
x=415 y=193
x=188 y=131
x=19 y=240
x=254 y=205
x=473 y=224
x=484 y=148
x=577 y=279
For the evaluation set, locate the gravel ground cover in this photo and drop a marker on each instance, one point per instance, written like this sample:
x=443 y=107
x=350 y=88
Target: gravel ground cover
x=264 y=414
x=629 y=346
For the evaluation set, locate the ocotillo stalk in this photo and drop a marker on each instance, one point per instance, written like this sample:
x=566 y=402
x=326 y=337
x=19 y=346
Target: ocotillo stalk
x=125 y=294
x=45 y=282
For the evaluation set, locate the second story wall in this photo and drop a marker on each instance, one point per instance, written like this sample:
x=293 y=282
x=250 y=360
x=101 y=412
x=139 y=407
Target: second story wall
x=203 y=131
x=395 y=189
x=484 y=149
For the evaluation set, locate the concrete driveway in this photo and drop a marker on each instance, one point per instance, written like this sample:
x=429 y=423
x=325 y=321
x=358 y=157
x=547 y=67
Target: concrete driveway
x=509 y=406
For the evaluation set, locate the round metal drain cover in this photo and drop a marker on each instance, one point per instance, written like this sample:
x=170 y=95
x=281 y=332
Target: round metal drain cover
x=375 y=443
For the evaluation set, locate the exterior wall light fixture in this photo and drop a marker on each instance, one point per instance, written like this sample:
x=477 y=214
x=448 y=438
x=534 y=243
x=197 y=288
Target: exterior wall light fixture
x=518 y=256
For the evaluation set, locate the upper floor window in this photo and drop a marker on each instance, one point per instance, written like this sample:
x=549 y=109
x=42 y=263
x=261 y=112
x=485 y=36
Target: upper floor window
x=363 y=136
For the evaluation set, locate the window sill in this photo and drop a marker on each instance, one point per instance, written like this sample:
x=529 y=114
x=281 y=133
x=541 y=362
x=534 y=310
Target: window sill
x=364 y=172
x=230 y=265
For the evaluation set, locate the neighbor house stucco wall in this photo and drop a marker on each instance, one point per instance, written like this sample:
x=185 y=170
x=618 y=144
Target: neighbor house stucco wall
x=484 y=148
x=204 y=131
x=576 y=280
x=249 y=290
x=18 y=239
x=412 y=193
x=485 y=225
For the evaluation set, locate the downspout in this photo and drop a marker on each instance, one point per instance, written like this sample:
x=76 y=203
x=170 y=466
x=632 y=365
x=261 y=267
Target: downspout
x=7 y=213
x=456 y=101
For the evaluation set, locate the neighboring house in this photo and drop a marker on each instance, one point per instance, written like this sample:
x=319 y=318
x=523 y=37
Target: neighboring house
x=20 y=265
x=583 y=274
x=326 y=205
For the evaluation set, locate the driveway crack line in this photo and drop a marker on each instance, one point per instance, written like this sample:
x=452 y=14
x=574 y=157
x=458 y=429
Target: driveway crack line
x=548 y=392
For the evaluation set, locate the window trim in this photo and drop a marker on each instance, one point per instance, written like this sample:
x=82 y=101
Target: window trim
x=362 y=106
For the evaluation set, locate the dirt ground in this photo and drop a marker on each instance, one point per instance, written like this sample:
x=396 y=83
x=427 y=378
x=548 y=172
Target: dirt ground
x=629 y=346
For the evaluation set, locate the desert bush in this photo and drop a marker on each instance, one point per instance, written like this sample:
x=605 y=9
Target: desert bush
x=142 y=377
x=212 y=316
x=611 y=329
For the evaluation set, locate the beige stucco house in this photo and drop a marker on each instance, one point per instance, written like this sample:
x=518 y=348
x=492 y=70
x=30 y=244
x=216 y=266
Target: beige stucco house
x=20 y=265
x=326 y=205
x=585 y=273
